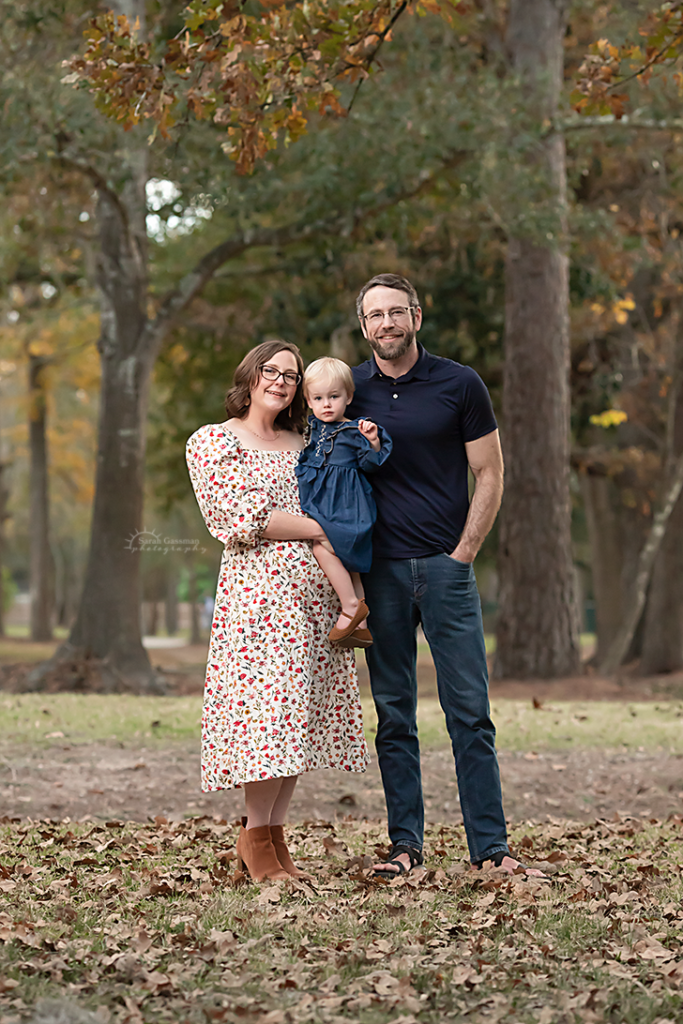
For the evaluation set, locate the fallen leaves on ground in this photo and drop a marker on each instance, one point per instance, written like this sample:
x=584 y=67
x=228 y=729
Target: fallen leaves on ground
x=153 y=922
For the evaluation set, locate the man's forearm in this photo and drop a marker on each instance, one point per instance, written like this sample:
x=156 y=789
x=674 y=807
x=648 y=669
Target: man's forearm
x=488 y=494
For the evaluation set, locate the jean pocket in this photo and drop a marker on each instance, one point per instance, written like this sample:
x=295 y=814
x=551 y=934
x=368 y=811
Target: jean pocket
x=466 y=566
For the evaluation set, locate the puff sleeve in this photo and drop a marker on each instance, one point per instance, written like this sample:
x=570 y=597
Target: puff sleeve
x=368 y=459
x=235 y=512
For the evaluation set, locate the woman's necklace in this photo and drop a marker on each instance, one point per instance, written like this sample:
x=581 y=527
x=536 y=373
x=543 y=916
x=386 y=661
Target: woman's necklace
x=269 y=440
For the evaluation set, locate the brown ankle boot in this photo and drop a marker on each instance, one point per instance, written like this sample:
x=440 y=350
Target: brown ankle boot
x=277 y=834
x=256 y=853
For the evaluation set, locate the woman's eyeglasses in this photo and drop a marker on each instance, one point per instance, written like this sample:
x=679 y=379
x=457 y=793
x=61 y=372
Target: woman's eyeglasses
x=272 y=373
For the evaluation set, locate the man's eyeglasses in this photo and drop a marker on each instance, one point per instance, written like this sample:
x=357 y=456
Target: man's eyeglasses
x=289 y=376
x=400 y=314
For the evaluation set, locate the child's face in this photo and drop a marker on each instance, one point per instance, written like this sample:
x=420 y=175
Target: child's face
x=327 y=401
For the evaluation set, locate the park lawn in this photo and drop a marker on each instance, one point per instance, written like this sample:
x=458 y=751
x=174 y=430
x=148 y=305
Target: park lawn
x=153 y=923
x=87 y=718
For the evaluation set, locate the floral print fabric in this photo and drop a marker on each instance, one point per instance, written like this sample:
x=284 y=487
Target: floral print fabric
x=278 y=699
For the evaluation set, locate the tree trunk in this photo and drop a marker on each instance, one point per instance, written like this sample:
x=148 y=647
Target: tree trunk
x=195 y=630
x=607 y=559
x=171 y=601
x=3 y=516
x=342 y=345
x=663 y=633
x=66 y=582
x=635 y=601
x=40 y=574
x=538 y=623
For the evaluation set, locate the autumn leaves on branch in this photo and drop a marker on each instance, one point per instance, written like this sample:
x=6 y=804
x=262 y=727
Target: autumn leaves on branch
x=262 y=76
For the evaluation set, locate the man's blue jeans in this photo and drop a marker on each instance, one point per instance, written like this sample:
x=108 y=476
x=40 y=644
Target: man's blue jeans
x=442 y=595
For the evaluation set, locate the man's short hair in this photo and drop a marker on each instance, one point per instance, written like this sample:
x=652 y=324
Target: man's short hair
x=333 y=372
x=387 y=281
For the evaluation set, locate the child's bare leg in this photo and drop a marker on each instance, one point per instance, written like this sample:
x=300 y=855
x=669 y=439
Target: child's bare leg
x=341 y=580
x=360 y=594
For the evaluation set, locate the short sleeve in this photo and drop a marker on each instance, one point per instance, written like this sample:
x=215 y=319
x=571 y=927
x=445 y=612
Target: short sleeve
x=368 y=459
x=477 y=417
x=235 y=512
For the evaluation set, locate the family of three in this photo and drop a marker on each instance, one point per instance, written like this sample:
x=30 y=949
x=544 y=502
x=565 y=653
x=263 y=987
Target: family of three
x=319 y=559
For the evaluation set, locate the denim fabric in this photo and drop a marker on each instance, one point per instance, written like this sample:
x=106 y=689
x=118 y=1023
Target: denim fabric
x=441 y=594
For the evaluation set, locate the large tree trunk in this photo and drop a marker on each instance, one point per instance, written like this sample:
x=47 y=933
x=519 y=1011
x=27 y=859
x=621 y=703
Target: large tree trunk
x=538 y=623
x=663 y=633
x=108 y=620
x=40 y=575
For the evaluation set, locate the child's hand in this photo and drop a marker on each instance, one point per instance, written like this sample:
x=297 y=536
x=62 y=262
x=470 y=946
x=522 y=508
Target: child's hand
x=369 y=429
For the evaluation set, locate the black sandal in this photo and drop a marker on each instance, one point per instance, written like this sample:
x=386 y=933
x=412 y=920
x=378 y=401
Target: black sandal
x=415 y=856
x=496 y=859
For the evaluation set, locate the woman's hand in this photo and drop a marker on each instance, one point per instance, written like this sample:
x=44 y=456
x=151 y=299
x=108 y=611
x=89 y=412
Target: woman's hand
x=369 y=430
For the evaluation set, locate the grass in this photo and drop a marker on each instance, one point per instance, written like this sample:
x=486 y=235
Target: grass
x=152 y=923
x=40 y=719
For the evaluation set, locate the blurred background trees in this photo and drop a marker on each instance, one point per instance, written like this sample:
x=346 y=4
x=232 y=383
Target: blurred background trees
x=559 y=277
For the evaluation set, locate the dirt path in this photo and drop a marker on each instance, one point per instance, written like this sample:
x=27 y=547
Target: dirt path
x=110 y=782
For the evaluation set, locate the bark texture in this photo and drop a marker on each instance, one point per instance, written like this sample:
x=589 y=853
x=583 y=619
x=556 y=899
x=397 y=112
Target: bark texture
x=663 y=633
x=607 y=560
x=4 y=494
x=537 y=629
x=40 y=572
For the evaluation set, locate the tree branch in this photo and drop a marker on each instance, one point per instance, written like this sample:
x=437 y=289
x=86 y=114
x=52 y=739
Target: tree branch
x=646 y=560
x=194 y=282
x=373 y=56
x=100 y=183
x=609 y=120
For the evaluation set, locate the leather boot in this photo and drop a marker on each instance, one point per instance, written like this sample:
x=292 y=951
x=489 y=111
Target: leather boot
x=277 y=834
x=256 y=853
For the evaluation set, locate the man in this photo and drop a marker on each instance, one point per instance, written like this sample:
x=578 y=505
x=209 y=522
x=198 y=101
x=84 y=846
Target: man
x=427 y=535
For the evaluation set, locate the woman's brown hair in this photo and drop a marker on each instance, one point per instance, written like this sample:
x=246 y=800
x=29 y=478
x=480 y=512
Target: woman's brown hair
x=246 y=378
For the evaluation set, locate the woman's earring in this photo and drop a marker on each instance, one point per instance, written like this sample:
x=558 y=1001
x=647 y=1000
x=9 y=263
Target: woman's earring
x=289 y=412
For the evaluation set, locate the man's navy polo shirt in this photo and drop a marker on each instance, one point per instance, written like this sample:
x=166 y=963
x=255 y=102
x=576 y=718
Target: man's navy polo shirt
x=421 y=490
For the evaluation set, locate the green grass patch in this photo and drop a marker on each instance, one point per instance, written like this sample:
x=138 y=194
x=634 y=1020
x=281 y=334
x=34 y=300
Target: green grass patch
x=122 y=718
x=93 y=718
x=152 y=922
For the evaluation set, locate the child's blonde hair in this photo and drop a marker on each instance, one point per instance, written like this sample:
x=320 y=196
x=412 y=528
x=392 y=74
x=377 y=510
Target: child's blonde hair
x=333 y=371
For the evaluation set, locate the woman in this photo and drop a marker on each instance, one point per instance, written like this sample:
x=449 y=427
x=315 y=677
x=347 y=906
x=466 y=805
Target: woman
x=278 y=700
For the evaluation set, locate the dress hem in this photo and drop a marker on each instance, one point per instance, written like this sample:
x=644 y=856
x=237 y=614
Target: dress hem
x=286 y=775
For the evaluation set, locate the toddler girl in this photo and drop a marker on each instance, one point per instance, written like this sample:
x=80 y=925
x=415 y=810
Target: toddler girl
x=337 y=495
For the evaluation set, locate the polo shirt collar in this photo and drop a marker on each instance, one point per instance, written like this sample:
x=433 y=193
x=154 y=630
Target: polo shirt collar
x=419 y=370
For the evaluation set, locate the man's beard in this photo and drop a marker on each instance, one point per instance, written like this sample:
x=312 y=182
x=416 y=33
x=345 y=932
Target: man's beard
x=392 y=348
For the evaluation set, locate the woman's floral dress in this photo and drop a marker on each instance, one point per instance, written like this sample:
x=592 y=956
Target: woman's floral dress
x=278 y=699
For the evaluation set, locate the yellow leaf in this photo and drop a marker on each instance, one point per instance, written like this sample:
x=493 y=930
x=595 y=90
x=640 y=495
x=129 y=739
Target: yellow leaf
x=609 y=418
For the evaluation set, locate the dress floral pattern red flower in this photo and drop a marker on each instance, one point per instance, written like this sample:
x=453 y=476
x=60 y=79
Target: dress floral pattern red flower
x=278 y=699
